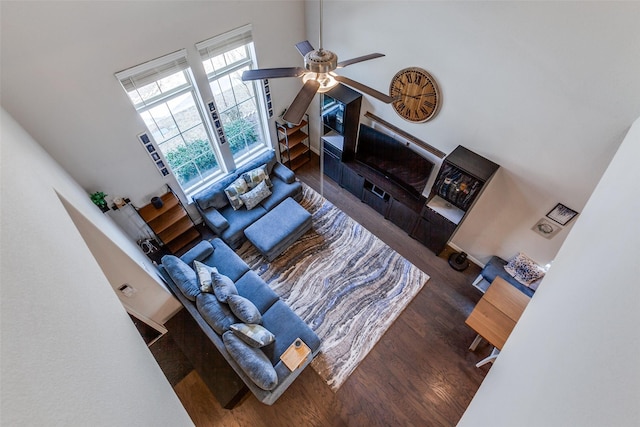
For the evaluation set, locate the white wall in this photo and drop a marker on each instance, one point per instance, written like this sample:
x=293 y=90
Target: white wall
x=545 y=89
x=151 y=298
x=58 y=65
x=70 y=354
x=572 y=359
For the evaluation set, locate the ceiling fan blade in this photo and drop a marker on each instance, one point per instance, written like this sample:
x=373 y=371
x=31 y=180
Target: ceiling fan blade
x=366 y=89
x=299 y=106
x=344 y=63
x=304 y=47
x=272 y=73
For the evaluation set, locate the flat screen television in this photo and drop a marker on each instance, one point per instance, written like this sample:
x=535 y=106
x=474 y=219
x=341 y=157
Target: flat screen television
x=393 y=159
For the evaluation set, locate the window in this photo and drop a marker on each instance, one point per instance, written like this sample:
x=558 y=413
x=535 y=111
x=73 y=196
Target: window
x=225 y=58
x=163 y=93
x=199 y=146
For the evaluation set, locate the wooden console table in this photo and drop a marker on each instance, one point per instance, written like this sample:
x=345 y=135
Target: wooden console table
x=495 y=316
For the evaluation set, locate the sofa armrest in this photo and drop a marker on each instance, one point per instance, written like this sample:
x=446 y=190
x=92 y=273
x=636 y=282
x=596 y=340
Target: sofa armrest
x=284 y=173
x=215 y=220
x=199 y=252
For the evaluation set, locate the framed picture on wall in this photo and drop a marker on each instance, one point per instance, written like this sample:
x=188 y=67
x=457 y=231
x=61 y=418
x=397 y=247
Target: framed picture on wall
x=561 y=214
x=546 y=228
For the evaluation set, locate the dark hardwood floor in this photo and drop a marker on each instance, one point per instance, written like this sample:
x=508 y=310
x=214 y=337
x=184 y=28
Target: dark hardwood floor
x=420 y=373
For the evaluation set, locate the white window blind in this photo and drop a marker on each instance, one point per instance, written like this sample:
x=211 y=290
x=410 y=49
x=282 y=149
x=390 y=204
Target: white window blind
x=154 y=70
x=218 y=45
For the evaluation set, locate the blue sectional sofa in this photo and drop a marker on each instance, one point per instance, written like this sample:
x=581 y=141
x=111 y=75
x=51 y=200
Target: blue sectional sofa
x=260 y=368
x=228 y=223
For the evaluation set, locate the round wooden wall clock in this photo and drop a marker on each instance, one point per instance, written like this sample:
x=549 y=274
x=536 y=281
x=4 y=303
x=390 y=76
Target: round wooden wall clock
x=417 y=95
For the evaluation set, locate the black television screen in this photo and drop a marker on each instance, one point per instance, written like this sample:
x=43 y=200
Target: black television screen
x=393 y=159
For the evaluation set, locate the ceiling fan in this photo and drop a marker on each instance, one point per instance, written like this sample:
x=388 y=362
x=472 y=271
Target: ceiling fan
x=318 y=76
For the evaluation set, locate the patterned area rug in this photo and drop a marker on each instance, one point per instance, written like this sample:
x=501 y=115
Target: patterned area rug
x=344 y=282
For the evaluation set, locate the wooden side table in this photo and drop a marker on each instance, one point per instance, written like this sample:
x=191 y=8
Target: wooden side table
x=495 y=316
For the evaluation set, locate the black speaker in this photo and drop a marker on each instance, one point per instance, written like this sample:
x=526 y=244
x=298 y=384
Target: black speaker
x=157 y=202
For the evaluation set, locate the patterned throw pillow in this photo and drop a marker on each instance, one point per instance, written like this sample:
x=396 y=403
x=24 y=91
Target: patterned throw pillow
x=524 y=269
x=204 y=275
x=255 y=196
x=233 y=192
x=256 y=176
x=255 y=335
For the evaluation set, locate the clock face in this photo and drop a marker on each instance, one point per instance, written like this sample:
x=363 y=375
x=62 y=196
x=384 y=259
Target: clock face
x=416 y=93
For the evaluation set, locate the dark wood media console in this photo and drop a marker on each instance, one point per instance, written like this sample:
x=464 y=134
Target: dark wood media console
x=431 y=220
x=389 y=199
x=463 y=176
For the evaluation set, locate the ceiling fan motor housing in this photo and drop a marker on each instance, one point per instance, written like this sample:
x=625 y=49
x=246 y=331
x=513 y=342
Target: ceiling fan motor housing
x=320 y=61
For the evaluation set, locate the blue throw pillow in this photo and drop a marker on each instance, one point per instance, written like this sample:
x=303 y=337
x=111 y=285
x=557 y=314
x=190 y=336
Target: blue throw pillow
x=252 y=360
x=183 y=276
x=244 y=309
x=223 y=287
x=216 y=314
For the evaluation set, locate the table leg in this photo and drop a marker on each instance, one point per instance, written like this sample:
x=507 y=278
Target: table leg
x=475 y=343
x=489 y=359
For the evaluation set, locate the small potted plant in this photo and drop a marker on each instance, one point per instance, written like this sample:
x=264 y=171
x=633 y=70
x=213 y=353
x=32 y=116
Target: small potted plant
x=98 y=199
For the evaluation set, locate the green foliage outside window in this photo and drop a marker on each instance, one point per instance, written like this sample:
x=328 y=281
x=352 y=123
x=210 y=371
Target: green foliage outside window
x=241 y=134
x=197 y=159
x=190 y=162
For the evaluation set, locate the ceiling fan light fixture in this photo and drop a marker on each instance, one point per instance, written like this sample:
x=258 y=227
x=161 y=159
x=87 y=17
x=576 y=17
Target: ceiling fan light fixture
x=326 y=80
x=317 y=76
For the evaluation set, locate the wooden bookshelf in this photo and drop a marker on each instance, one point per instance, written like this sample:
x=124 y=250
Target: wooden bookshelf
x=293 y=143
x=171 y=223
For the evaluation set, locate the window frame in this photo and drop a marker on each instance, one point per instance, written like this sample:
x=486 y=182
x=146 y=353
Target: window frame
x=152 y=72
x=180 y=60
x=220 y=44
x=173 y=94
